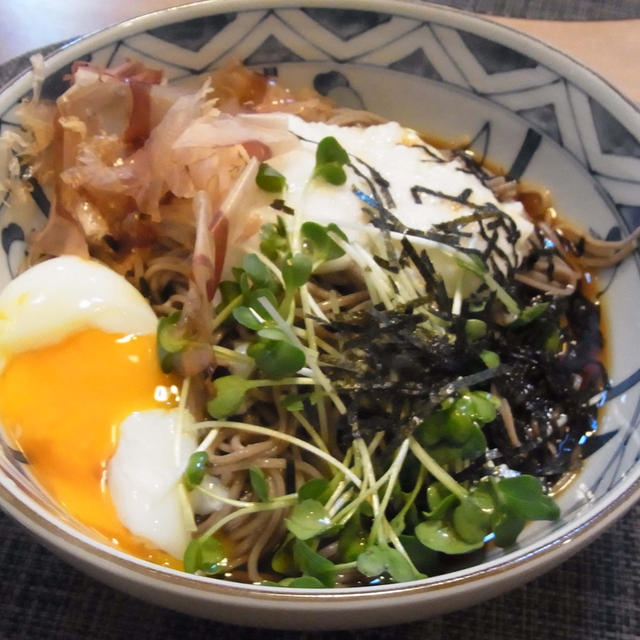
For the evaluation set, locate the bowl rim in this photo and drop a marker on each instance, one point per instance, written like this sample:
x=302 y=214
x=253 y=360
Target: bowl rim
x=529 y=560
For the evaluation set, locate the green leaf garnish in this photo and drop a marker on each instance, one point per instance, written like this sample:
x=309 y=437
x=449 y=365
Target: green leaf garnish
x=248 y=317
x=169 y=337
x=258 y=272
x=293 y=402
x=475 y=329
x=273 y=239
x=455 y=431
x=490 y=358
x=529 y=314
x=313 y=489
x=230 y=393
x=318 y=244
x=259 y=484
x=353 y=539
x=332 y=172
x=270 y=179
x=301 y=582
x=506 y=528
x=170 y=340
x=330 y=158
x=423 y=558
x=206 y=555
x=282 y=561
x=296 y=271
x=196 y=469
x=313 y=564
x=524 y=497
x=472 y=518
x=272 y=333
x=276 y=358
x=437 y=493
x=440 y=536
x=379 y=559
x=308 y=519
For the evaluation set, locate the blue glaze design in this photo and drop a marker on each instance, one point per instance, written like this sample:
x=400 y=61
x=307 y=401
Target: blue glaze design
x=495 y=57
x=10 y=234
x=271 y=51
x=545 y=119
x=347 y=23
x=336 y=85
x=613 y=137
x=193 y=34
x=417 y=64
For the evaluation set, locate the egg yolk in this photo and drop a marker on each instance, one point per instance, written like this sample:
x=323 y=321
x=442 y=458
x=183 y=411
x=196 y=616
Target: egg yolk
x=63 y=405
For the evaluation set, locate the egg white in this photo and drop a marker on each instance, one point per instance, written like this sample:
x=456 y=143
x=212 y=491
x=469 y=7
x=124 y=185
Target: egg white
x=144 y=476
x=62 y=296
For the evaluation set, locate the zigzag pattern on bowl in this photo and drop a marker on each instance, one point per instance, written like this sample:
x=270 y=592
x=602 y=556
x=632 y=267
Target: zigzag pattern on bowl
x=549 y=107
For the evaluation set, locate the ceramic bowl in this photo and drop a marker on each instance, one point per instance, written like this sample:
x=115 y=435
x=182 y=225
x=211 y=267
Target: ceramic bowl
x=542 y=116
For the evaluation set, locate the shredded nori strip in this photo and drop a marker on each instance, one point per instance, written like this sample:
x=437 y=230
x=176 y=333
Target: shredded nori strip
x=398 y=370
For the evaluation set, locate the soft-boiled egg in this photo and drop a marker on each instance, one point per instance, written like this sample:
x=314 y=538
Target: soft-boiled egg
x=81 y=386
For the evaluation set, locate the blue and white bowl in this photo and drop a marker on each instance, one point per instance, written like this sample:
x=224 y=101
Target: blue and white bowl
x=543 y=117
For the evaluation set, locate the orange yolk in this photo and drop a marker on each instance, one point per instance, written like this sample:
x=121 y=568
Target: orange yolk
x=63 y=405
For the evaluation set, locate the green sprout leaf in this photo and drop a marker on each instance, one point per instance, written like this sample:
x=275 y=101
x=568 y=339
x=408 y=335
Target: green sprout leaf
x=440 y=536
x=301 y=582
x=332 y=172
x=379 y=559
x=196 y=469
x=475 y=329
x=276 y=358
x=229 y=291
x=269 y=179
x=529 y=314
x=330 y=158
x=472 y=518
x=293 y=402
x=506 y=528
x=455 y=431
x=248 y=317
x=170 y=340
x=259 y=484
x=272 y=333
x=273 y=239
x=353 y=539
x=258 y=272
x=296 y=271
x=490 y=358
x=313 y=489
x=252 y=299
x=282 y=561
x=313 y=564
x=523 y=497
x=442 y=508
x=423 y=558
x=230 y=393
x=318 y=244
x=485 y=405
x=308 y=519
x=205 y=555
